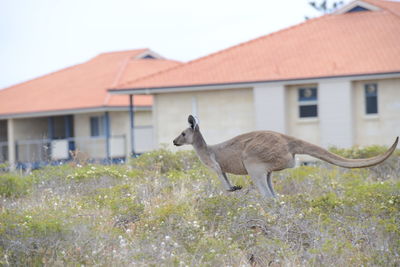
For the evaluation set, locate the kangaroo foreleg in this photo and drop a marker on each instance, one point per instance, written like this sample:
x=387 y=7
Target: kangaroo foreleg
x=213 y=164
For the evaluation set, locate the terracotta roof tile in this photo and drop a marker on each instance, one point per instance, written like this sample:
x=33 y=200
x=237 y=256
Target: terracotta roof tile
x=391 y=6
x=82 y=86
x=332 y=45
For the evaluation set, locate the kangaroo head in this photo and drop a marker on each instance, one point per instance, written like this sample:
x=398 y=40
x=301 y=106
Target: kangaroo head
x=187 y=136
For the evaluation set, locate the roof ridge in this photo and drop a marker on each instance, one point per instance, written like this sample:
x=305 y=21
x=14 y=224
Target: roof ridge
x=152 y=74
x=380 y=5
x=228 y=49
x=122 y=69
x=123 y=51
x=117 y=77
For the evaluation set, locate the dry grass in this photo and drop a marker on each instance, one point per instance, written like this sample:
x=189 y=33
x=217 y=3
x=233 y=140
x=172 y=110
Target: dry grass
x=166 y=209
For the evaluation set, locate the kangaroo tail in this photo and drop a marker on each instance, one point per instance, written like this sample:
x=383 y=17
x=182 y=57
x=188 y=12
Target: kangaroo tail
x=302 y=147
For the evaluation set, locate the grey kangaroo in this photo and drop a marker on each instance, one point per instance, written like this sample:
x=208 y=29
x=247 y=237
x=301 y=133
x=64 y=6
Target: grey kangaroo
x=260 y=153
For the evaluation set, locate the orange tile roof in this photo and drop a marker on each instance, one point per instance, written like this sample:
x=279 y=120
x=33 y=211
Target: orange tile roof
x=391 y=6
x=332 y=45
x=84 y=85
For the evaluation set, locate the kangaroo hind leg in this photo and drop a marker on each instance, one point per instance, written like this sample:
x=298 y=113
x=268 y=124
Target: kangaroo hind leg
x=269 y=182
x=257 y=173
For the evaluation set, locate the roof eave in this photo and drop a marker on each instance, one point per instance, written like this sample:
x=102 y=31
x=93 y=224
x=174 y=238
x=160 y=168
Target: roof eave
x=353 y=4
x=71 y=111
x=242 y=85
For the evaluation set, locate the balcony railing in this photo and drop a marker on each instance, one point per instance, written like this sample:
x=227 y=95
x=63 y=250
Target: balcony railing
x=92 y=149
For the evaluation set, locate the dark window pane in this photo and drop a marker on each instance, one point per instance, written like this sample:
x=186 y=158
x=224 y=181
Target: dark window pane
x=357 y=9
x=307 y=94
x=101 y=126
x=371 y=105
x=308 y=111
x=148 y=57
x=94 y=126
x=371 y=98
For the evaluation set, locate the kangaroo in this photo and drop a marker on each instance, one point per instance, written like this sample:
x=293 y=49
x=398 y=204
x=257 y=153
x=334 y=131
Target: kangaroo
x=259 y=153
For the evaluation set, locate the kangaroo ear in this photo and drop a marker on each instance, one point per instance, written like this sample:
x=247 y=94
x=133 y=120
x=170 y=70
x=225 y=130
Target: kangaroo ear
x=193 y=122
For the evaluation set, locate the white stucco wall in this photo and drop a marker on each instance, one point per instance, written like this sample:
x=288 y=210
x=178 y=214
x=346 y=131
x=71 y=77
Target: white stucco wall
x=335 y=112
x=223 y=114
x=382 y=128
x=269 y=104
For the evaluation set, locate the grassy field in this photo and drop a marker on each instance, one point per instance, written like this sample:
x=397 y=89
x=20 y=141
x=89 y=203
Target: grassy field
x=166 y=209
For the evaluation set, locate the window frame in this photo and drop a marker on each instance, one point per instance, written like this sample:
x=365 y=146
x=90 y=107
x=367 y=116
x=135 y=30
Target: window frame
x=97 y=124
x=372 y=96
x=312 y=101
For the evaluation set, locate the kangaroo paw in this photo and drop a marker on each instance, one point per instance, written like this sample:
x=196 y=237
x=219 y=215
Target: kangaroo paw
x=234 y=188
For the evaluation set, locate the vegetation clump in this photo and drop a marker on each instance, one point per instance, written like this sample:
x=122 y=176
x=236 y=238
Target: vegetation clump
x=167 y=209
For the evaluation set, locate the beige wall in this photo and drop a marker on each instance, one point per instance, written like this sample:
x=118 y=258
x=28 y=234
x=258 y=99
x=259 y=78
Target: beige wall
x=32 y=128
x=223 y=114
x=120 y=121
x=119 y=124
x=304 y=128
x=382 y=128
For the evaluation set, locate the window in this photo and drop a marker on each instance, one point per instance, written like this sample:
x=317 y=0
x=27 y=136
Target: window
x=371 y=98
x=97 y=126
x=148 y=57
x=308 y=107
x=357 y=9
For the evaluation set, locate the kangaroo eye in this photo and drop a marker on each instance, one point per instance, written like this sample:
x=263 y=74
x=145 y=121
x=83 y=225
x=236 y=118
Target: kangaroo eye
x=183 y=134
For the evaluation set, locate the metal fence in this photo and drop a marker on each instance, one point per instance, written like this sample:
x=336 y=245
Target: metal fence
x=39 y=152
x=95 y=149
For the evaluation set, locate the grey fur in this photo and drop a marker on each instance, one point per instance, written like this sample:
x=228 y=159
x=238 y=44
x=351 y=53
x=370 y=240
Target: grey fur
x=260 y=153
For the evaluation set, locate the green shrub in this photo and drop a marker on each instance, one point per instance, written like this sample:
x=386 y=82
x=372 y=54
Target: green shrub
x=96 y=171
x=31 y=235
x=217 y=209
x=168 y=209
x=164 y=160
x=12 y=185
x=326 y=203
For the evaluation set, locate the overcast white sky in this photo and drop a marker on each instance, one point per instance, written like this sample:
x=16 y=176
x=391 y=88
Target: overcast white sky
x=42 y=36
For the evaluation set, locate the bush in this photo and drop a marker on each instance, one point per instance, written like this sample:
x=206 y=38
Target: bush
x=167 y=209
x=164 y=160
x=12 y=185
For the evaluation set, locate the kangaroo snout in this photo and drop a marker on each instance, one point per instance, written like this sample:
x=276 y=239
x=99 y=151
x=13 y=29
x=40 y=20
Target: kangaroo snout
x=176 y=143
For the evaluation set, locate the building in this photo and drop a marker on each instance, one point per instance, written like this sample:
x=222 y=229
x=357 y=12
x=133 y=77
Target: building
x=333 y=80
x=44 y=119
